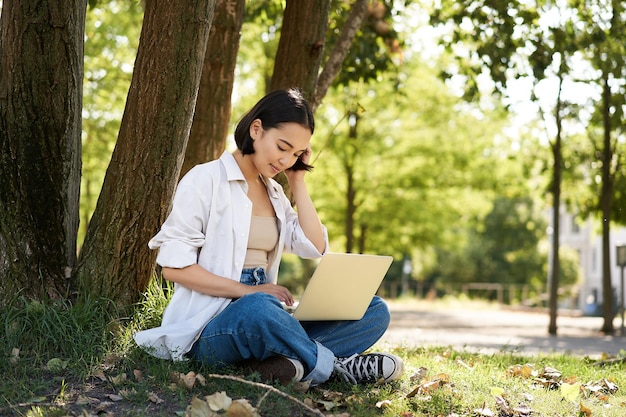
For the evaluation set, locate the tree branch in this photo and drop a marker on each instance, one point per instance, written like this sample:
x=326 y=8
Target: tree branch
x=337 y=56
x=269 y=388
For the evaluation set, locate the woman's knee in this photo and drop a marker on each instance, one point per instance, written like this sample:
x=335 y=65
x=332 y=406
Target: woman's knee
x=380 y=311
x=259 y=304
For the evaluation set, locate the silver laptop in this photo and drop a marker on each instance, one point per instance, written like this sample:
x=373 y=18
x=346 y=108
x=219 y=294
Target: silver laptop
x=342 y=286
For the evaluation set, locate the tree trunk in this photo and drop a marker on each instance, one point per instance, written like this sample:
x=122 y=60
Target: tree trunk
x=555 y=266
x=605 y=206
x=41 y=51
x=115 y=261
x=301 y=46
x=207 y=139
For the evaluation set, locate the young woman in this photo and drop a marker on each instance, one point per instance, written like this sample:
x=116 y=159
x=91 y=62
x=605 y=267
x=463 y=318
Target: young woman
x=221 y=245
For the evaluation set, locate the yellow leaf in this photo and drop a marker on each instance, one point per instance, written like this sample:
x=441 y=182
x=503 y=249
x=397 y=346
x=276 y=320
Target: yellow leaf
x=241 y=408
x=199 y=408
x=497 y=391
x=570 y=391
x=218 y=401
x=189 y=380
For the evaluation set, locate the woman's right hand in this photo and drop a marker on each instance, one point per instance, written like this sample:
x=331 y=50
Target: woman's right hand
x=278 y=291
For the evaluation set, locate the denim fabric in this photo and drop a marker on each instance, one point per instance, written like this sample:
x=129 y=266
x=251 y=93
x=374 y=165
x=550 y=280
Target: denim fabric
x=256 y=326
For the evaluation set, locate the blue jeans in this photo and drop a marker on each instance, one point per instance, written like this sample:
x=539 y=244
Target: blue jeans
x=257 y=326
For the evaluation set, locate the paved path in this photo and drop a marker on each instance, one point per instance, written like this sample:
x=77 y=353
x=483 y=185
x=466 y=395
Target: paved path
x=486 y=329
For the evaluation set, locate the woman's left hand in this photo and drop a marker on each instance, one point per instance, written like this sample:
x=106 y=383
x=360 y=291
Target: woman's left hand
x=294 y=176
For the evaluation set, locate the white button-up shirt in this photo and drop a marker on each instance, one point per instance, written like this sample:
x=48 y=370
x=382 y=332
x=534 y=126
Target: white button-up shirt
x=209 y=225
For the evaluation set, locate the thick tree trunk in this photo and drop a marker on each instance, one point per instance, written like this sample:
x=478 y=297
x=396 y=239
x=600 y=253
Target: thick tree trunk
x=41 y=73
x=211 y=119
x=136 y=195
x=301 y=46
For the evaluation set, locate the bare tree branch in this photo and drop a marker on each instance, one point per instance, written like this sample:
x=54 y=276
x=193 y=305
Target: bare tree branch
x=337 y=56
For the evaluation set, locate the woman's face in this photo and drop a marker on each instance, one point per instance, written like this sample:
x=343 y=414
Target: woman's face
x=277 y=149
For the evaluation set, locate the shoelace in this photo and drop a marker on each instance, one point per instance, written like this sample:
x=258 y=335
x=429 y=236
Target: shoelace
x=357 y=368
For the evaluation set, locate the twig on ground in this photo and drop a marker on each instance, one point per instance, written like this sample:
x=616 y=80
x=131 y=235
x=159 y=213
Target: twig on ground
x=611 y=361
x=269 y=388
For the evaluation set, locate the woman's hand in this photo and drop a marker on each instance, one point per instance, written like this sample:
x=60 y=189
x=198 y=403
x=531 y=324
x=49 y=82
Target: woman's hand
x=278 y=291
x=295 y=176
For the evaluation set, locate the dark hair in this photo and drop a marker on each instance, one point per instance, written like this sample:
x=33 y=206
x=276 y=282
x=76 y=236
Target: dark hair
x=276 y=108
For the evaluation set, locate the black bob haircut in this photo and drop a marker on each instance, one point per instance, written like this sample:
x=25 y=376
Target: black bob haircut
x=275 y=109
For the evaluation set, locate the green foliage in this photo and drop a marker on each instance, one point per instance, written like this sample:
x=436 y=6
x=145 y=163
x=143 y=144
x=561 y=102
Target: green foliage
x=377 y=47
x=420 y=163
x=506 y=249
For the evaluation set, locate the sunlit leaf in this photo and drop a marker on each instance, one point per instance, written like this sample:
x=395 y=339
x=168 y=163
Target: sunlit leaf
x=218 y=401
x=383 y=403
x=241 y=408
x=570 y=391
x=199 y=408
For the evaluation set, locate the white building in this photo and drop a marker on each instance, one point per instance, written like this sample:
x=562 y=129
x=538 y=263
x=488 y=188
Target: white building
x=586 y=238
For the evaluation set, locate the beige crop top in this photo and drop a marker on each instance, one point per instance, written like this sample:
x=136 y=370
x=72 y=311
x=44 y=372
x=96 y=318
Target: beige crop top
x=262 y=240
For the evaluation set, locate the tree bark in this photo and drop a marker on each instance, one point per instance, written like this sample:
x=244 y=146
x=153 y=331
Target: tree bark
x=115 y=261
x=301 y=46
x=41 y=74
x=557 y=168
x=211 y=119
x=606 y=196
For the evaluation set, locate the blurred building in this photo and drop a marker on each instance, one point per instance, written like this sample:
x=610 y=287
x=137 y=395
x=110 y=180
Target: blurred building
x=586 y=238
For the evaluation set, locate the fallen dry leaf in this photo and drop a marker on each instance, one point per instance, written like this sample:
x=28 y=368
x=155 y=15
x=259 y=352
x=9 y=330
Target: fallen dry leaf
x=154 y=398
x=85 y=400
x=383 y=403
x=419 y=375
x=138 y=375
x=15 y=355
x=432 y=384
x=218 y=401
x=241 y=408
x=525 y=371
x=201 y=379
x=584 y=411
x=116 y=380
x=199 y=408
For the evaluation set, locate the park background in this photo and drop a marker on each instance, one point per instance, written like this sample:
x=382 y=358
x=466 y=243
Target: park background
x=463 y=138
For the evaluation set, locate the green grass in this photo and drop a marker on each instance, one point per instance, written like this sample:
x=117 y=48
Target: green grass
x=58 y=359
